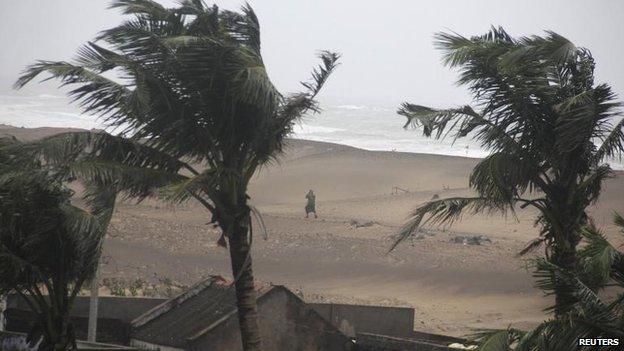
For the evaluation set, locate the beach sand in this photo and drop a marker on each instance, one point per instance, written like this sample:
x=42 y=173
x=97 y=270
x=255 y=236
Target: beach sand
x=454 y=288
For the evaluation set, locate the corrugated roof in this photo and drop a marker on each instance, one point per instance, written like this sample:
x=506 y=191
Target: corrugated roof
x=175 y=321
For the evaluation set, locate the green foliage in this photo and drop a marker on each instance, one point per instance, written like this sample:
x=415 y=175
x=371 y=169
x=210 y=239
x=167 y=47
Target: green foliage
x=195 y=108
x=548 y=127
x=48 y=247
x=194 y=88
x=116 y=286
x=41 y=232
x=589 y=315
x=164 y=287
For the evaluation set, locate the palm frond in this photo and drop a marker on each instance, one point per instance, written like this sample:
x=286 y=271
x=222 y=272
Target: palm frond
x=294 y=106
x=585 y=117
x=553 y=47
x=134 y=182
x=141 y=7
x=248 y=28
x=551 y=278
x=503 y=177
x=260 y=220
x=456 y=48
x=321 y=73
x=612 y=144
x=590 y=188
x=619 y=221
x=95 y=93
x=532 y=246
x=188 y=188
x=62 y=149
x=434 y=120
x=100 y=199
x=496 y=339
x=599 y=255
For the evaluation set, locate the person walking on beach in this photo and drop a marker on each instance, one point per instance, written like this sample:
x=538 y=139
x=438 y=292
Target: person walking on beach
x=311 y=206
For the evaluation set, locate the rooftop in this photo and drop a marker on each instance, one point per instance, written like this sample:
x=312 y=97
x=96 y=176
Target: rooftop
x=193 y=312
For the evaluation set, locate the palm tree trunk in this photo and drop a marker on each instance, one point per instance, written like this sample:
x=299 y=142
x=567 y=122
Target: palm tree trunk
x=566 y=223
x=240 y=257
x=57 y=335
x=568 y=260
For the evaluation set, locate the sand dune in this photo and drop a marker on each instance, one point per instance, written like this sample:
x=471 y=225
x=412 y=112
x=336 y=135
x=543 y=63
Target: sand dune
x=453 y=287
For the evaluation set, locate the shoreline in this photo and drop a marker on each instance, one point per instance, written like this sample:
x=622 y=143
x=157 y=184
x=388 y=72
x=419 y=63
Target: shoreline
x=47 y=131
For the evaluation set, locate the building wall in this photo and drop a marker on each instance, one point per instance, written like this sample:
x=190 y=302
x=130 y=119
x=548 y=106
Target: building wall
x=114 y=316
x=111 y=307
x=109 y=330
x=20 y=339
x=286 y=324
x=373 y=342
x=352 y=319
x=142 y=345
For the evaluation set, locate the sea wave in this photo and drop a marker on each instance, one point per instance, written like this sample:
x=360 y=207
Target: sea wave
x=50 y=96
x=352 y=107
x=304 y=129
x=366 y=127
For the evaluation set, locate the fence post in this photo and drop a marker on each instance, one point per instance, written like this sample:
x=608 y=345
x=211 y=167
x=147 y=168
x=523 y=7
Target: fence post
x=3 y=306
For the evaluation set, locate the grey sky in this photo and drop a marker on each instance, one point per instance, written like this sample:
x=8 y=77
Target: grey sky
x=387 y=49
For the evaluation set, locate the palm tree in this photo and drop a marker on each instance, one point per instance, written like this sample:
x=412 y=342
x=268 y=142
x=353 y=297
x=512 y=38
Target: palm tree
x=70 y=156
x=195 y=107
x=591 y=316
x=99 y=194
x=48 y=247
x=548 y=127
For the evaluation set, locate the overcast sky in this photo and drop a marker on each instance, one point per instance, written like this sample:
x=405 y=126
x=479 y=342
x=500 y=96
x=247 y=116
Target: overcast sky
x=388 y=55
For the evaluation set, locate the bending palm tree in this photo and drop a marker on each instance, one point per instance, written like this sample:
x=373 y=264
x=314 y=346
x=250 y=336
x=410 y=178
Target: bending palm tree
x=48 y=247
x=541 y=116
x=193 y=89
x=592 y=316
x=99 y=195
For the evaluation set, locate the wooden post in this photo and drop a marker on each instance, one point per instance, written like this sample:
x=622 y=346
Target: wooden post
x=3 y=305
x=93 y=306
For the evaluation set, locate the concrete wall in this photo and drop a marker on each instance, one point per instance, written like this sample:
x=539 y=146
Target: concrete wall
x=374 y=342
x=352 y=319
x=109 y=330
x=82 y=345
x=114 y=316
x=142 y=345
x=111 y=307
x=286 y=324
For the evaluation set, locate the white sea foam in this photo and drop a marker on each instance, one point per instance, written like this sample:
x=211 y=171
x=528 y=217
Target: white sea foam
x=304 y=129
x=49 y=96
x=352 y=107
x=366 y=127
x=43 y=111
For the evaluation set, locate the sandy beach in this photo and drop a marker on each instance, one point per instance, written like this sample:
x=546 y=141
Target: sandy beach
x=453 y=287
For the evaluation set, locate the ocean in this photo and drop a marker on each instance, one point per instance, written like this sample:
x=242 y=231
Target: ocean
x=362 y=126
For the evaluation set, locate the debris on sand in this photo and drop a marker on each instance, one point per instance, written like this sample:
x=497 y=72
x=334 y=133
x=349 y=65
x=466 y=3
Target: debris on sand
x=423 y=234
x=358 y=224
x=471 y=239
